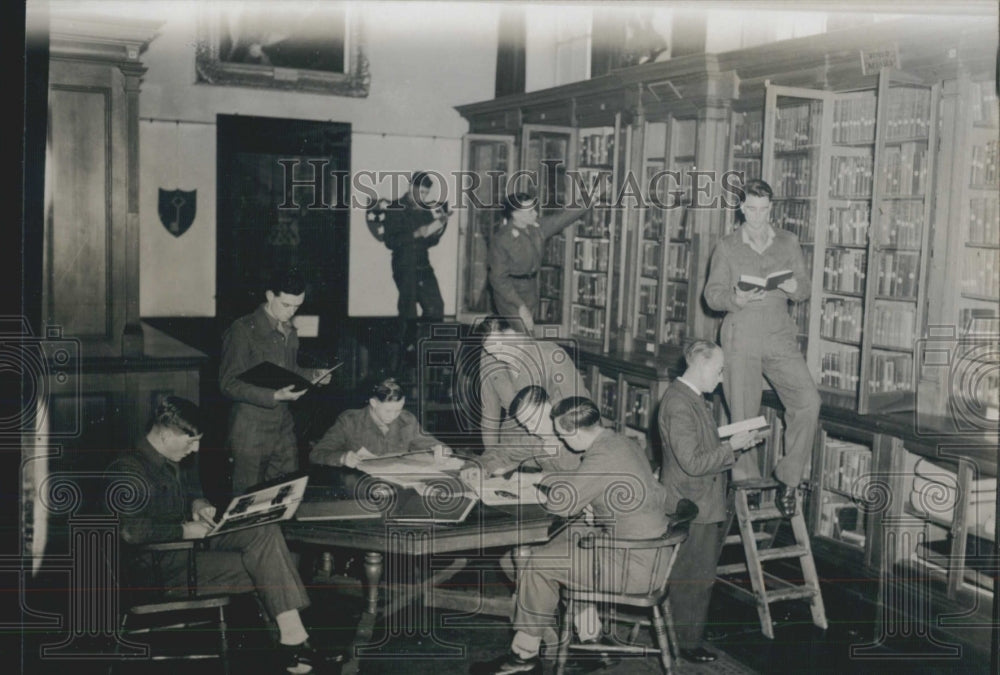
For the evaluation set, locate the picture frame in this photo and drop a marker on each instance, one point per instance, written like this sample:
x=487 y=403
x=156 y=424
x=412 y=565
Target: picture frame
x=320 y=49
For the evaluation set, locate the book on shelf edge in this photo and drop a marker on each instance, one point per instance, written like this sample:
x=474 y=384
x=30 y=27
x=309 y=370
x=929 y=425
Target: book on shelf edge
x=748 y=282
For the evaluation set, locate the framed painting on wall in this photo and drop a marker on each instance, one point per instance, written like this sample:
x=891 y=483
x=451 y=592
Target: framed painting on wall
x=309 y=47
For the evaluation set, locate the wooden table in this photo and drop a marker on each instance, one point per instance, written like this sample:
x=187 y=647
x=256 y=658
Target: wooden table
x=406 y=558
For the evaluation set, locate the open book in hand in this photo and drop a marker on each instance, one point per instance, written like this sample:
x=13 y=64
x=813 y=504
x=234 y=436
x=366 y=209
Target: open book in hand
x=272 y=376
x=753 y=424
x=748 y=282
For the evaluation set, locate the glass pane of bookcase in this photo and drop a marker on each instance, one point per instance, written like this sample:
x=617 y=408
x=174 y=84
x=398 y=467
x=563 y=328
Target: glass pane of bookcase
x=652 y=232
x=677 y=268
x=483 y=154
x=546 y=154
x=607 y=391
x=747 y=143
x=591 y=287
x=794 y=169
x=846 y=467
x=845 y=256
x=901 y=208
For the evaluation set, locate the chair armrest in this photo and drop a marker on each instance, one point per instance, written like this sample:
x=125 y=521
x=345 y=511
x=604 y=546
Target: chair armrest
x=169 y=546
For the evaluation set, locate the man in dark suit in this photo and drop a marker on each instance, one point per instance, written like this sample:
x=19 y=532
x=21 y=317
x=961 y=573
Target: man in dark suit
x=695 y=462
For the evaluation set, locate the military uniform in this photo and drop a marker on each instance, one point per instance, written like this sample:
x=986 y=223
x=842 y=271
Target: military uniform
x=515 y=256
x=411 y=266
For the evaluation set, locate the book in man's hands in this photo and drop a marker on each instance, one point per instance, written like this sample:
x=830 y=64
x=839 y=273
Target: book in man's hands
x=752 y=424
x=749 y=282
x=272 y=376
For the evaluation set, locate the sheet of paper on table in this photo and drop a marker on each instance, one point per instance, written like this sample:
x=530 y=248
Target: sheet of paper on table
x=418 y=470
x=518 y=489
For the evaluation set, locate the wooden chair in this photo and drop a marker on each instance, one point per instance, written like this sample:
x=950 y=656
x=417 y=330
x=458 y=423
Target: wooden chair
x=653 y=600
x=161 y=613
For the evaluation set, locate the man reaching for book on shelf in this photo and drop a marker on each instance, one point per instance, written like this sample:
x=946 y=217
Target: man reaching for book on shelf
x=759 y=337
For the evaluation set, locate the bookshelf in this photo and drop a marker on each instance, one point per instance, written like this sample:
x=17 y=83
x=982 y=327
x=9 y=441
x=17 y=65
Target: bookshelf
x=852 y=173
x=666 y=251
x=481 y=153
x=547 y=151
x=846 y=469
x=747 y=142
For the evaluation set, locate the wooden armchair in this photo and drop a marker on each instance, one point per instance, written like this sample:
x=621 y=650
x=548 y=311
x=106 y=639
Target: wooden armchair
x=653 y=599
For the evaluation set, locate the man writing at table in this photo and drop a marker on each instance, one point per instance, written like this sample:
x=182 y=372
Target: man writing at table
x=614 y=486
x=381 y=428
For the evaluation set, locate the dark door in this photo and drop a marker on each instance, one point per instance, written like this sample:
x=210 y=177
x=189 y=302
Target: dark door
x=271 y=213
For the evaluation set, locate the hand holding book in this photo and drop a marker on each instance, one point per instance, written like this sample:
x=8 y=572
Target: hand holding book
x=749 y=282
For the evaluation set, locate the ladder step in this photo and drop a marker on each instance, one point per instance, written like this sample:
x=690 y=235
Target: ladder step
x=782 y=552
x=733 y=568
x=766 y=513
x=793 y=593
x=738 y=539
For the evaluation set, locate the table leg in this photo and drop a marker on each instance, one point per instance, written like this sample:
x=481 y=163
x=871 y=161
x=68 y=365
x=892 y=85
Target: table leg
x=373 y=574
x=374 y=565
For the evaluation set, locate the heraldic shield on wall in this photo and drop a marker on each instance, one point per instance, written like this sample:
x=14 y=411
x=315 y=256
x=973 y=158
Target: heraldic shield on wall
x=177 y=209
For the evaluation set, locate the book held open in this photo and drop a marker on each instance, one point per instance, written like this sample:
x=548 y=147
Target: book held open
x=752 y=424
x=748 y=282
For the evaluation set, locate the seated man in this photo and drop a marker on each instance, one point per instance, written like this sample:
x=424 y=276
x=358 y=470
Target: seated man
x=615 y=486
x=256 y=557
x=511 y=361
x=381 y=428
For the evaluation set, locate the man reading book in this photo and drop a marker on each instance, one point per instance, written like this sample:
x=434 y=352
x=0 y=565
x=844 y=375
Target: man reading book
x=255 y=557
x=759 y=336
x=261 y=428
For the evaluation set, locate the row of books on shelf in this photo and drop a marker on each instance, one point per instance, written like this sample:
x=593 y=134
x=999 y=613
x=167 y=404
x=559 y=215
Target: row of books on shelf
x=844 y=270
x=549 y=310
x=902 y=223
x=905 y=169
x=797 y=126
x=748 y=133
x=591 y=255
x=894 y=325
x=595 y=223
x=794 y=177
x=984 y=221
x=675 y=332
x=648 y=296
x=597 y=148
x=841 y=518
x=897 y=274
x=984 y=103
x=607 y=396
x=935 y=493
x=841 y=319
x=851 y=176
x=848 y=225
x=676 y=305
x=854 y=119
x=587 y=322
x=678 y=256
x=890 y=372
x=796 y=217
x=981 y=267
x=908 y=113
x=659 y=221
x=984 y=164
x=639 y=403
x=800 y=314
x=979 y=321
x=591 y=289
x=550 y=281
x=846 y=466
x=650 y=259
x=839 y=367
x=645 y=326
x=555 y=247
x=748 y=168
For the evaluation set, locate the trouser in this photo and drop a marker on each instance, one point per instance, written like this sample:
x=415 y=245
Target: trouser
x=263 y=446
x=691 y=582
x=527 y=290
x=256 y=558
x=417 y=285
x=562 y=563
x=750 y=356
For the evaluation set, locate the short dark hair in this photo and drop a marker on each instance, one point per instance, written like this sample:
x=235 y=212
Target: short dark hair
x=699 y=349
x=387 y=391
x=287 y=280
x=421 y=179
x=755 y=188
x=576 y=412
x=178 y=414
x=528 y=398
x=518 y=200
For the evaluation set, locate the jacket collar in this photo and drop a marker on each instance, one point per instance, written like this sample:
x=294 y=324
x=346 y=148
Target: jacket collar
x=153 y=456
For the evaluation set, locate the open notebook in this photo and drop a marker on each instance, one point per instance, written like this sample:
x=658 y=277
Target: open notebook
x=268 y=505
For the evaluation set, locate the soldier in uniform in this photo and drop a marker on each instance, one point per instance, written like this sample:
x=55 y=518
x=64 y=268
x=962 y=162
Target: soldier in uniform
x=516 y=252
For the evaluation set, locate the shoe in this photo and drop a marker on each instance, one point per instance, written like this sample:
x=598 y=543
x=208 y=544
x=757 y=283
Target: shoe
x=785 y=500
x=698 y=655
x=299 y=658
x=508 y=664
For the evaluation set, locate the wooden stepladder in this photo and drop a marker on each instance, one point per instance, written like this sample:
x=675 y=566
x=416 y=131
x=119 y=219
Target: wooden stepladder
x=758 y=548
